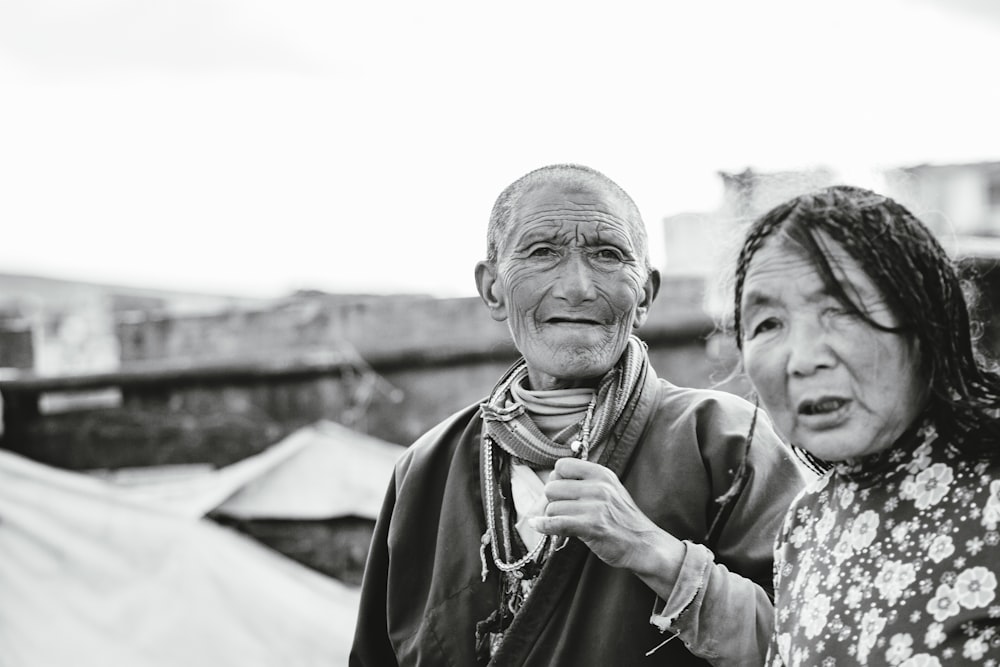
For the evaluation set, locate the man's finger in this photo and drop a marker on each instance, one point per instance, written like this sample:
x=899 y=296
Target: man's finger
x=574 y=489
x=564 y=526
x=570 y=468
x=566 y=508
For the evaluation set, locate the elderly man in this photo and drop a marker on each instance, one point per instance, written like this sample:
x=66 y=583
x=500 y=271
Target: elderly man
x=587 y=512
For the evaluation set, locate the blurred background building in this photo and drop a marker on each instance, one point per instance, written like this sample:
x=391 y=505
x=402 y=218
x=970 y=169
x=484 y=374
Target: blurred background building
x=959 y=202
x=69 y=344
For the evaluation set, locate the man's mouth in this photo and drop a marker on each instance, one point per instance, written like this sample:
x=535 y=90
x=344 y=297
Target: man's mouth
x=822 y=406
x=571 y=320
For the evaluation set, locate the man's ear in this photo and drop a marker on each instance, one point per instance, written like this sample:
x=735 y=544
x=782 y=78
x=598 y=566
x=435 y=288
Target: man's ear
x=649 y=292
x=489 y=290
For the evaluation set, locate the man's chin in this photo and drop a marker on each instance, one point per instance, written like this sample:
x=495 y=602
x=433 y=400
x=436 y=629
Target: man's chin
x=567 y=366
x=588 y=340
x=573 y=356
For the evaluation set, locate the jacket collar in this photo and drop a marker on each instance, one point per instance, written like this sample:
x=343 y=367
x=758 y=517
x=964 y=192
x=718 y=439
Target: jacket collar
x=563 y=567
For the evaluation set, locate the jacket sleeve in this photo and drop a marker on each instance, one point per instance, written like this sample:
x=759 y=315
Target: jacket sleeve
x=721 y=606
x=372 y=647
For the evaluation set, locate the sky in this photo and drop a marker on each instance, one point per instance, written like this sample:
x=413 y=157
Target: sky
x=255 y=147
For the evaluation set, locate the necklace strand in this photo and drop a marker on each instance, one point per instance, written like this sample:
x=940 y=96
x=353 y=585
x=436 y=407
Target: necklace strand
x=491 y=522
x=580 y=447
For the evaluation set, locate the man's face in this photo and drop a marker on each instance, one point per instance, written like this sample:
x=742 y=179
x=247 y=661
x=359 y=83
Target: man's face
x=571 y=283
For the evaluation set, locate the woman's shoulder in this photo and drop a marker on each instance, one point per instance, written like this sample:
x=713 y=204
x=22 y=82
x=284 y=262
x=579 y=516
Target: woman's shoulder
x=941 y=480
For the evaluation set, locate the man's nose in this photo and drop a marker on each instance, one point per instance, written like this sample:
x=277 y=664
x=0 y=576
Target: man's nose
x=575 y=282
x=808 y=350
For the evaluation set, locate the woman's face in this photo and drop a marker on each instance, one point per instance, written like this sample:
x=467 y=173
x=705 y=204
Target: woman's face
x=833 y=384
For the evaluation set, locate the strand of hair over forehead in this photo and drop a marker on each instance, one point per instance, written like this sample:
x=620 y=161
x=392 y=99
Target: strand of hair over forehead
x=898 y=251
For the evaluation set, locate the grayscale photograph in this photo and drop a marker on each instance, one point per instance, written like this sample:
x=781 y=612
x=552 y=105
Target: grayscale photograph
x=535 y=334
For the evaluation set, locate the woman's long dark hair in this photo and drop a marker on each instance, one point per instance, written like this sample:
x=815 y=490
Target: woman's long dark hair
x=920 y=284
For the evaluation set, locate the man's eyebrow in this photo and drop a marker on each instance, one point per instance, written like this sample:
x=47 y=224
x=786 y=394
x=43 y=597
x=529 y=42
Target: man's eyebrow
x=536 y=235
x=614 y=237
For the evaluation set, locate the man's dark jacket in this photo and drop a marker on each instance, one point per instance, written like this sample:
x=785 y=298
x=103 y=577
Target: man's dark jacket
x=676 y=450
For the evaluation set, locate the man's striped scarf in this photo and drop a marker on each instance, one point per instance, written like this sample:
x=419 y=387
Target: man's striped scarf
x=506 y=423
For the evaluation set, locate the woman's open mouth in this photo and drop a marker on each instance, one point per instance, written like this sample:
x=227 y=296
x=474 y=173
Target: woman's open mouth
x=821 y=406
x=823 y=413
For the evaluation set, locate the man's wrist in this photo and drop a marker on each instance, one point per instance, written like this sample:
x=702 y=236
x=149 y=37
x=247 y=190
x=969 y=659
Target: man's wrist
x=660 y=563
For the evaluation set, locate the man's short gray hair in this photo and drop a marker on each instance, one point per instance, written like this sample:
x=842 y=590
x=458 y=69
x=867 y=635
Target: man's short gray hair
x=567 y=174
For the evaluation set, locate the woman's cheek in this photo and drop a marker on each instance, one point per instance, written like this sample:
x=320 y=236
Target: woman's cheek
x=768 y=381
x=758 y=370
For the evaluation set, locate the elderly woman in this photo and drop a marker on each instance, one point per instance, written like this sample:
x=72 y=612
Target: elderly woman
x=571 y=517
x=856 y=337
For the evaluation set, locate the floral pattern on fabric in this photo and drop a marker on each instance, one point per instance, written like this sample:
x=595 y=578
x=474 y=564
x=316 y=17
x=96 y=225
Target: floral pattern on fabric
x=892 y=559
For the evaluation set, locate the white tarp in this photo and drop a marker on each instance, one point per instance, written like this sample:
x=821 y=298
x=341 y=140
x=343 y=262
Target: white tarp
x=127 y=572
x=346 y=475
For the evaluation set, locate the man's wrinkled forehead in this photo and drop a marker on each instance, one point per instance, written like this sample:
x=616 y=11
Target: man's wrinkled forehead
x=551 y=198
x=548 y=193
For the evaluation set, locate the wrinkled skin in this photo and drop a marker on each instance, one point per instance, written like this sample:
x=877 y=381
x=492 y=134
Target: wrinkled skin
x=833 y=384
x=570 y=282
x=588 y=501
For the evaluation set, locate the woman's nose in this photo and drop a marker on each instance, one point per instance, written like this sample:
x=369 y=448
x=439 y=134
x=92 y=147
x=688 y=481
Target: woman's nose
x=808 y=350
x=575 y=280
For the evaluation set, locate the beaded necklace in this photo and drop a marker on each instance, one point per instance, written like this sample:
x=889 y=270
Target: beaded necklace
x=508 y=426
x=581 y=449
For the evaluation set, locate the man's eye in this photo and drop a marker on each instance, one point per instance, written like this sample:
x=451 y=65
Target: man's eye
x=542 y=251
x=609 y=255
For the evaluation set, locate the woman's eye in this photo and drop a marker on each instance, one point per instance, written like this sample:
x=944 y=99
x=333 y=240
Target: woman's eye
x=764 y=326
x=839 y=311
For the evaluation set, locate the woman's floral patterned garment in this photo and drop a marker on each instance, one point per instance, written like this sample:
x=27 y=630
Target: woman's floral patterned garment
x=892 y=560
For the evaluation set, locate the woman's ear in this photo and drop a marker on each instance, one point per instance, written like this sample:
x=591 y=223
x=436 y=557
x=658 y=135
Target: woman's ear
x=649 y=292
x=490 y=290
